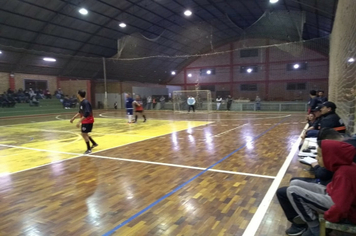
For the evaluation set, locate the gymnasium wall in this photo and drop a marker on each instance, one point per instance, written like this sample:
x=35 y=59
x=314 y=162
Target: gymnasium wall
x=4 y=82
x=271 y=78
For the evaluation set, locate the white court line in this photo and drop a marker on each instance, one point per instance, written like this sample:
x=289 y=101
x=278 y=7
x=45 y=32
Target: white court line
x=128 y=160
x=80 y=155
x=208 y=119
x=263 y=207
x=217 y=135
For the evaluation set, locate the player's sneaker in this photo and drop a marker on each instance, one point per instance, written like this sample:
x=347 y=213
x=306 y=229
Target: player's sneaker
x=94 y=145
x=87 y=151
x=144 y=120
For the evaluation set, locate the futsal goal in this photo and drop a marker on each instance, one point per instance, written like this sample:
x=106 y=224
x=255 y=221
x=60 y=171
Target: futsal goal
x=203 y=102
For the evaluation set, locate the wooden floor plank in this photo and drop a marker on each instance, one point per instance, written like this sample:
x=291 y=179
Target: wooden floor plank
x=90 y=195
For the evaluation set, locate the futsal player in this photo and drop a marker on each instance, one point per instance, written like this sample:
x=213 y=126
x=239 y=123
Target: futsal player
x=86 y=120
x=139 y=108
x=129 y=107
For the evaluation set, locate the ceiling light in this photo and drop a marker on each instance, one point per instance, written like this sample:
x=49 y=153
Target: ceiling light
x=249 y=70
x=208 y=72
x=83 y=11
x=296 y=66
x=0 y=52
x=351 y=60
x=188 y=13
x=49 y=59
x=273 y=1
x=173 y=72
x=189 y=75
x=122 y=25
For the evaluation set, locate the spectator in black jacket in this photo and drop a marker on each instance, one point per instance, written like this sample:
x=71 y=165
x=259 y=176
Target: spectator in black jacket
x=321 y=97
x=329 y=119
x=313 y=101
x=322 y=176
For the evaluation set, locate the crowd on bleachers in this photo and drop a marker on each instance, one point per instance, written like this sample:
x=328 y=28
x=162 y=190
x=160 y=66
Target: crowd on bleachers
x=11 y=97
x=332 y=192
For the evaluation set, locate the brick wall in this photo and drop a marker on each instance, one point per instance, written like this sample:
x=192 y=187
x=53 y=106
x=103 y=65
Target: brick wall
x=20 y=80
x=4 y=82
x=272 y=76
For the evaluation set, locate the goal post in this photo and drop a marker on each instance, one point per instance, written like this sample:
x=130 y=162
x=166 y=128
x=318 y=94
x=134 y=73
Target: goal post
x=203 y=102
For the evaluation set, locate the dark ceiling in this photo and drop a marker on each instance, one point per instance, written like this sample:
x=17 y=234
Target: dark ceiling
x=32 y=29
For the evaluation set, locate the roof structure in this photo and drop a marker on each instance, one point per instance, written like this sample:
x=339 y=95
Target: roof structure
x=33 y=29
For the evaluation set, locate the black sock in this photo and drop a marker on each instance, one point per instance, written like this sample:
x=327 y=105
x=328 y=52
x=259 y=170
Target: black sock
x=135 y=118
x=88 y=145
x=92 y=141
x=144 y=117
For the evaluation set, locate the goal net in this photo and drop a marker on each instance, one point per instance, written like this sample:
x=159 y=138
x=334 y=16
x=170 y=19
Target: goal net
x=202 y=98
x=342 y=76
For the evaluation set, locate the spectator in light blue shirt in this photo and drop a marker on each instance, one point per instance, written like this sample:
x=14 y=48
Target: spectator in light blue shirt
x=191 y=103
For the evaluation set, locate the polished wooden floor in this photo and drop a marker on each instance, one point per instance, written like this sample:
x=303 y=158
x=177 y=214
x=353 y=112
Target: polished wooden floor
x=177 y=174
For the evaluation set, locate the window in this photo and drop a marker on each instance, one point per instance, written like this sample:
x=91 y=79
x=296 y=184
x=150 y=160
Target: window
x=249 y=53
x=296 y=86
x=35 y=84
x=248 y=87
x=209 y=71
x=207 y=87
x=248 y=69
x=297 y=66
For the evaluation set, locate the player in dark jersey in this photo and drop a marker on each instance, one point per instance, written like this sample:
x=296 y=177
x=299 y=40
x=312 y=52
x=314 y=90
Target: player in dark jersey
x=129 y=106
x=86 y=120
x=138 y=104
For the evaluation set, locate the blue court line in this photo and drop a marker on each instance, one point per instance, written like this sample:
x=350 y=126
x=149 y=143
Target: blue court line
x=185 y=183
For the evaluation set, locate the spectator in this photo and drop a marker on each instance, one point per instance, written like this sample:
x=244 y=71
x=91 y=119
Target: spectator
x=258 y=103
x=66 y=102
x=313 y=101
x=58 y=93
x=115 y=105
x=313 y=127
x=337 y=200
x=154 y=102
x=34 y=101
x=322 y=176
x=229 y=102
x=218 y=102
x=321 y=97
x=163 y=102
x=47 y=94
x=149 y=101
x=329 y=119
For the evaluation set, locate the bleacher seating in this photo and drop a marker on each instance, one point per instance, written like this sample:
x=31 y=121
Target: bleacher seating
x=324 y=224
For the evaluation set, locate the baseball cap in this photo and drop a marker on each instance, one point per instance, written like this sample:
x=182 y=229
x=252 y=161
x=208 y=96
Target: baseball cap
x=318 y=108
x=329 y=105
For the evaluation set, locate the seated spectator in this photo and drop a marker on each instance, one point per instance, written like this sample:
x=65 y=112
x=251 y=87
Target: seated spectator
x=322 y=176
x=321 y=97
x=66 y=102
x=58 y=93
x=337 y=200
x=329 y=119
x=73 y=101
x=34 y=101
x=313 y=120
x=47 y=94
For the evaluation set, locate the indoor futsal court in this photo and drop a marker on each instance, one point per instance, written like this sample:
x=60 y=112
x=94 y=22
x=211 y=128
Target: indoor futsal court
x=177 y=117
x=187 y=174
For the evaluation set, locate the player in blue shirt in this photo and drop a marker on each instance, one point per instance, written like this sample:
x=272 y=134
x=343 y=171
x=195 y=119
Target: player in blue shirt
x=129 y=106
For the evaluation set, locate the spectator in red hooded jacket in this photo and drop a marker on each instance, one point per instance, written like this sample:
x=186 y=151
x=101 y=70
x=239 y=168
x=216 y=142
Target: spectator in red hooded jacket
x=337 y=200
